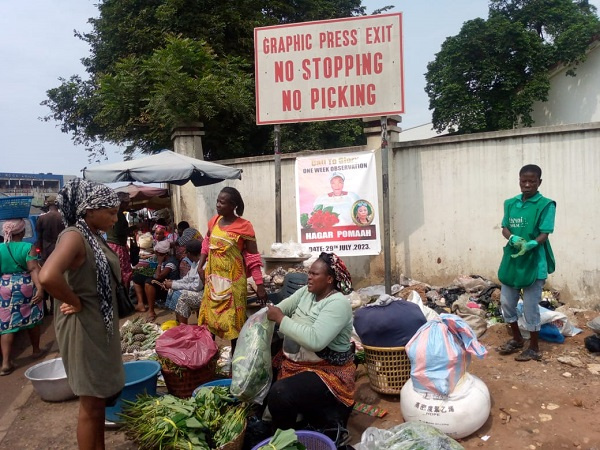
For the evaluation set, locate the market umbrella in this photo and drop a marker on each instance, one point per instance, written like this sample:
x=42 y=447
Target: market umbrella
x=163 y=167
x=146 y=196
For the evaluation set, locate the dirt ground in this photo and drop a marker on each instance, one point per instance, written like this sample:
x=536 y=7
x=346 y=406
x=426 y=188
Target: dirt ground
x=535 y=405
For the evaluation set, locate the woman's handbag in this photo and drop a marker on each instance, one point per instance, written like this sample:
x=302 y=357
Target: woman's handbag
x=134 y=252
x=126 y=308
x=124 y=304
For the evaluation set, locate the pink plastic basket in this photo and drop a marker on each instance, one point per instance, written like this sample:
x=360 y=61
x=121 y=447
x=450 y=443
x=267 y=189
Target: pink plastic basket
x=311 y=440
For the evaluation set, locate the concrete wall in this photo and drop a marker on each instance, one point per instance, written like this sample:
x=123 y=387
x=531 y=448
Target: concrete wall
x=446 y=205
x=572 y=99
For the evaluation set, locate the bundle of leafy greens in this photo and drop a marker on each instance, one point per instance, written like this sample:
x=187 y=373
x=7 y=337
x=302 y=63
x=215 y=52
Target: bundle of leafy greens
x=283 y=440
x=408 y=436
x=251 y=364
x=207 y=421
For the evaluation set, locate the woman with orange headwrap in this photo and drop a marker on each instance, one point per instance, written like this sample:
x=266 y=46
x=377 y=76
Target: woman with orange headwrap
x=20 y=306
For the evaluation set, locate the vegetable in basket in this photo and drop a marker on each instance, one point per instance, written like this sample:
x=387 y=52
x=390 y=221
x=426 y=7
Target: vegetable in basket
x=284 y=440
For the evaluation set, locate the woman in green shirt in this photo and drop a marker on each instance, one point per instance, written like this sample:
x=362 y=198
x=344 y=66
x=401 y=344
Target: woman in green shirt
x=20 y=306
x=316 y=366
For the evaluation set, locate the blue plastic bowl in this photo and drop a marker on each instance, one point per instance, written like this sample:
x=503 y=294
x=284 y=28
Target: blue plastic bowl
x=221 y=382
x=140 y=378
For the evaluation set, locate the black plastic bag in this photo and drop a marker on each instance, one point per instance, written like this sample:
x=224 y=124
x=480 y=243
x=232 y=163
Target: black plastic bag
x=592 y=343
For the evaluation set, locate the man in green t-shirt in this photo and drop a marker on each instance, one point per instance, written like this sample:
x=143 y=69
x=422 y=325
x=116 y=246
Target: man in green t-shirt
x=527 y=261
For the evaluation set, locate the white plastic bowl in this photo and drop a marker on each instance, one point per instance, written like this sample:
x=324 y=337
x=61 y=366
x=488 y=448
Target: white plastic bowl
x=49 y=380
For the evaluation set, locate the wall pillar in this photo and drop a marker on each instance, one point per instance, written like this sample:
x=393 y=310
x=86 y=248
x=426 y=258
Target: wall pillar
x=187 y=141
x=372 y=130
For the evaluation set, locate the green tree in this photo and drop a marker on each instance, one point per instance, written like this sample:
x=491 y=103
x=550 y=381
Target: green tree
x=488 y=76
x=156 y=64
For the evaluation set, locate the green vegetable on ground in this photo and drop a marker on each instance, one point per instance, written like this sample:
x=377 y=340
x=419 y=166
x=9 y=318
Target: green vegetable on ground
x=207 y=421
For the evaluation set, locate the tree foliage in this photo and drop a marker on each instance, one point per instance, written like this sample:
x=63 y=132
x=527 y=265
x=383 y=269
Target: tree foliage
x=488 y=76
x=157 y=64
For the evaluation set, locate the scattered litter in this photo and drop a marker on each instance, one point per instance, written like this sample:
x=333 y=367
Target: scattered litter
x=567 y=375
x=545 y=417
x=552 y=406
x=369 y=409
x=485 y=438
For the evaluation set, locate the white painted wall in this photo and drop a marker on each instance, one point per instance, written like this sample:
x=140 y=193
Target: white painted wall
x=446 y=205
x=572 y=99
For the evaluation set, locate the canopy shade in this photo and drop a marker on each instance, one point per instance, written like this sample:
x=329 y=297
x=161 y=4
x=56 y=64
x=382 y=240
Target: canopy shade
x=146 y=196
x=164 y=167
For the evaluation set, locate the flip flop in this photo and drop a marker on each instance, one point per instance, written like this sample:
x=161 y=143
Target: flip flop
x=8 y=371
x=528 y=355
x=511 y=346
x=151 y=318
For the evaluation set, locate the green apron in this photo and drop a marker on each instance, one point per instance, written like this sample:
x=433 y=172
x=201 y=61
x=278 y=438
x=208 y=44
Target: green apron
x=522 y=271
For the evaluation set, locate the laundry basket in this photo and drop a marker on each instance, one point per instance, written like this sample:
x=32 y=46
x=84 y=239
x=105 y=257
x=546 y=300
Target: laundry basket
x=311 y=440
x=388 y=368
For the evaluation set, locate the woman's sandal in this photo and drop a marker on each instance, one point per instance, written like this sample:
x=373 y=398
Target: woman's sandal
x=528 y=355
x=7 y=371
x=511 y=346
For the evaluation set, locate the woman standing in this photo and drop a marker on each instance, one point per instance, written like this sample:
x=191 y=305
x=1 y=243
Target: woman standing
x=81 y=274
x=230 y=251
x=20 y=306
x=316 y=366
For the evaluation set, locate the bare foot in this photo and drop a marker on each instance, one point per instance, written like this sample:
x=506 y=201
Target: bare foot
x=151 y=317
x=139 y=308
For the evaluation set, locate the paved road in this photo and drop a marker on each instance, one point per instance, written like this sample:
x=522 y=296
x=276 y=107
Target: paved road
x=12 y=385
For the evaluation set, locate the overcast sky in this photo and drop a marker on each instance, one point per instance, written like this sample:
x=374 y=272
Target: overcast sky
x=37 y=46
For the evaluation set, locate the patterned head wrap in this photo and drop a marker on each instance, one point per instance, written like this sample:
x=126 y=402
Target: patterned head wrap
x=343 y=280
x=12 y=227
x=74 y=199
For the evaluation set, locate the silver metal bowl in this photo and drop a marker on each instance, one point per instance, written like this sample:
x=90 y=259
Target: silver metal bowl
x=50 y=380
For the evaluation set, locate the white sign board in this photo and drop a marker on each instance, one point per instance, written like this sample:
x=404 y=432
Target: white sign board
x=337 y=204
x=329 y=69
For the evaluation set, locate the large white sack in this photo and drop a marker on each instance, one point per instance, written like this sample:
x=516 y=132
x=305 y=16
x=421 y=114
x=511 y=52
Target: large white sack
x=458 y=415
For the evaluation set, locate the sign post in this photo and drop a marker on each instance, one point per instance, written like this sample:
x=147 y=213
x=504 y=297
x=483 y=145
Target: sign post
x=331 y=70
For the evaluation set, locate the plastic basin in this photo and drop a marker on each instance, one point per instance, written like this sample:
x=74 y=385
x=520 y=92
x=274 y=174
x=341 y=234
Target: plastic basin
x=140 y=378
x=221 y=382
x=49 y=380
x=311 y=440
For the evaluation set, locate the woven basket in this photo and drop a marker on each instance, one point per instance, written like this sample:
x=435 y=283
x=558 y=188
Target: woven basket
x=237 y=443
x=388 y=367
x=183 y=382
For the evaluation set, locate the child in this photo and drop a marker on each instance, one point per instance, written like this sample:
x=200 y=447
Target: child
x=527 y=261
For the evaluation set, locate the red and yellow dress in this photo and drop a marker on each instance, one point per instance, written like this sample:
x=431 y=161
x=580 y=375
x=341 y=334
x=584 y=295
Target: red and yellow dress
x=223 y=307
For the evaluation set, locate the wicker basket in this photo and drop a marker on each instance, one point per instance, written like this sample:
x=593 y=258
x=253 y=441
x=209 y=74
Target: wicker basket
x=15 y=207
x=388 y=367
x=181 y=383
x=237 y=443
